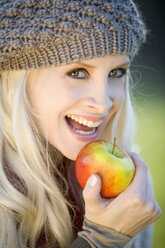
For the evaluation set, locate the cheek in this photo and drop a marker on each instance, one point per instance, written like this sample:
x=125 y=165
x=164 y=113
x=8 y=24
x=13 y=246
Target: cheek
x=51 y=101
x=117 y=92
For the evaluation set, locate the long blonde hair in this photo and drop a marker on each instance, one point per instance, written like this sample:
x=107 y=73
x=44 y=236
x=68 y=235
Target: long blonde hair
x=42 y=203
x=122 y=125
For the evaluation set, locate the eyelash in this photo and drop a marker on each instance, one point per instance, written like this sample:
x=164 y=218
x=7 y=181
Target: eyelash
x=122 y=70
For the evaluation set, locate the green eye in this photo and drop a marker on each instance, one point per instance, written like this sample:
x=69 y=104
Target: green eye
x=78 y=74
x=74 y=73
x=113 y=73
x=117 y=73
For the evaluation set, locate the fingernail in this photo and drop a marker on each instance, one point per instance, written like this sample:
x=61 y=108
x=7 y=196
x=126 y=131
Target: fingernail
x=92 y=181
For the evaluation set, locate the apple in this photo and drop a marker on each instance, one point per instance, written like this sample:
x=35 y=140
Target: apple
x=111 y=163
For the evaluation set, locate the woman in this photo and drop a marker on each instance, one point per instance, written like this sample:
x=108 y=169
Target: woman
x=64 y=82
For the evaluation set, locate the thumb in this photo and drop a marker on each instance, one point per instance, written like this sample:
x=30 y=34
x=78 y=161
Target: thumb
x=91 y=192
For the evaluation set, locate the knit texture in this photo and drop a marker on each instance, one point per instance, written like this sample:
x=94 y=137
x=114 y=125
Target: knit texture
x=80 y=243
x=93 y=233
x=41 y=33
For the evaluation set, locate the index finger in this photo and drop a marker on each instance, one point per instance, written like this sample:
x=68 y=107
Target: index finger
x=141 y=173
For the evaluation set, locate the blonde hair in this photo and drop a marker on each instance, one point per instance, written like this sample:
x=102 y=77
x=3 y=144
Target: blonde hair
x=123 y=124
x=42 y=203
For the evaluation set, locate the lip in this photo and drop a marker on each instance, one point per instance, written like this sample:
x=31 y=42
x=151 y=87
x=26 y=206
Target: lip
x=86 y=138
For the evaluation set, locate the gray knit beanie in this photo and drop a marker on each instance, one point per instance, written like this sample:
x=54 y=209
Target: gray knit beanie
x=41 y=33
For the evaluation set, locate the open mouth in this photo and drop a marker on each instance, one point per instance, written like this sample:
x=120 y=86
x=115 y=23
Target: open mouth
x=82 y=126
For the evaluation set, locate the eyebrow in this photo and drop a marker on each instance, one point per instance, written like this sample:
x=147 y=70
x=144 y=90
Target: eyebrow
x=91 y=66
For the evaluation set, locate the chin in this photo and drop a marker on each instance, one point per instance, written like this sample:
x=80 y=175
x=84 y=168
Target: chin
x=72 y=152
x=70 y=156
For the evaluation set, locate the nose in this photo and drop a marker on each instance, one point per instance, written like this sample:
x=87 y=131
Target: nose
x=99 y=99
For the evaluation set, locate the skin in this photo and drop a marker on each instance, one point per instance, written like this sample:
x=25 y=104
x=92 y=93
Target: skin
x=53 y=94
x=131 y=211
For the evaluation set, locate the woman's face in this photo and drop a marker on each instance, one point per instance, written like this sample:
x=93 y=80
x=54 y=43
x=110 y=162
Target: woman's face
x=75 y=101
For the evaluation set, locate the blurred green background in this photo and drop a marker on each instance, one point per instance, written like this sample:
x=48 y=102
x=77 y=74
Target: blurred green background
x=149 y=101
x=151 y=139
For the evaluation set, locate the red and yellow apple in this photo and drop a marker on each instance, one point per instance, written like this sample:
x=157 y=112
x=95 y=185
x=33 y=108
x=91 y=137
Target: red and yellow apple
x=113 y=165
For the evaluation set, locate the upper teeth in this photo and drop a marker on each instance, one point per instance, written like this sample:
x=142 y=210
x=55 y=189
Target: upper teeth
x=85 y=122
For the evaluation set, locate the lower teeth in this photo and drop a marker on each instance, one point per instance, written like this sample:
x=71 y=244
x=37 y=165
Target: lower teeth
x=83 y=132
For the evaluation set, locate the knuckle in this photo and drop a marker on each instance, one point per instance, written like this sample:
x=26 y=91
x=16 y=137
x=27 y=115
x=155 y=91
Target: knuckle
x=137 y=201
x=158 y=211
x=152 y=209
x=149 y=209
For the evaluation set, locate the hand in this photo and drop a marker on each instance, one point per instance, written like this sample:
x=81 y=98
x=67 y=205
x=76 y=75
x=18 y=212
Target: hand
x=132 y=210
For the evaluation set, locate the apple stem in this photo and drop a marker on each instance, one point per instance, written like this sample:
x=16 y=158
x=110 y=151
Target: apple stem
x=114 y=143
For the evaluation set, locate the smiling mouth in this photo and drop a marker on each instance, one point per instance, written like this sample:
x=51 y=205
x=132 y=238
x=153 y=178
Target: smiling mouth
x=82 y=126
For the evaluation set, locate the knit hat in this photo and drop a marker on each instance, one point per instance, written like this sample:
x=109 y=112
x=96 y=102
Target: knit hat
x=41 y=33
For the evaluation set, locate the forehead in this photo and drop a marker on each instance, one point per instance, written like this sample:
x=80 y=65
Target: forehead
x=109 y=60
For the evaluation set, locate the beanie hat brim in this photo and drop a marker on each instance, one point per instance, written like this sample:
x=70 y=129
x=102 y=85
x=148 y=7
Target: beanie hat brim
x=39 y=35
